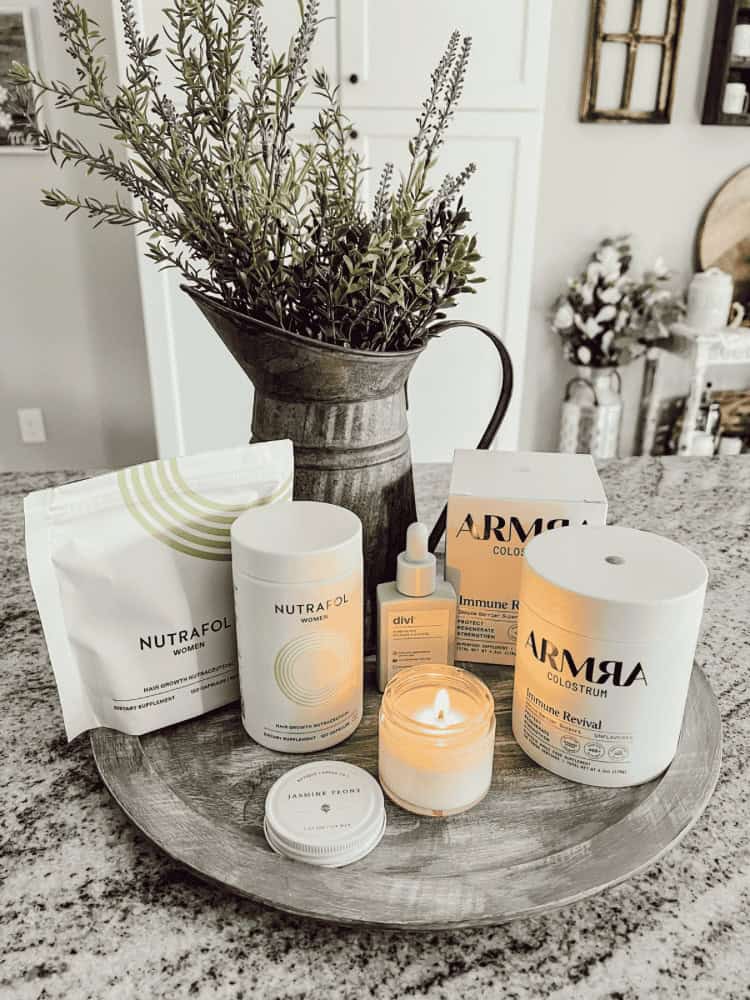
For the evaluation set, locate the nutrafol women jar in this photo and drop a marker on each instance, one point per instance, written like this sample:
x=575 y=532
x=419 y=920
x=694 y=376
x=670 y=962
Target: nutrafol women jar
x=297 y=570
x=607 y=628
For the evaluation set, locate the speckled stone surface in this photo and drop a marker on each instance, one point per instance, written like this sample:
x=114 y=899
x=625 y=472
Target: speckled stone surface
x=89 y=909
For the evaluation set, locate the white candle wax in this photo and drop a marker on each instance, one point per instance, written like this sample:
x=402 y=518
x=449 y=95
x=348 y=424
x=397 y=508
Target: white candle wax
x=436 y=740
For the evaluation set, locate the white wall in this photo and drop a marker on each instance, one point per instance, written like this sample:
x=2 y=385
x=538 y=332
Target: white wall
x=71 y=331
x=599 y=179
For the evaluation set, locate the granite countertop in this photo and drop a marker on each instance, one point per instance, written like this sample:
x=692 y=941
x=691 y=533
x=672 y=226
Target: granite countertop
x=90 y=909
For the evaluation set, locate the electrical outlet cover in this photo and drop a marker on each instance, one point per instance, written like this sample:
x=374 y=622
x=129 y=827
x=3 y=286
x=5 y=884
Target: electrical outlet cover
x=31 y=425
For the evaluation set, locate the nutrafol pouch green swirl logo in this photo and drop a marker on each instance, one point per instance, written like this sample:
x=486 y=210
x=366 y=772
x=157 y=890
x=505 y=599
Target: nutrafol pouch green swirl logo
x=171 y=511
x=311 y=669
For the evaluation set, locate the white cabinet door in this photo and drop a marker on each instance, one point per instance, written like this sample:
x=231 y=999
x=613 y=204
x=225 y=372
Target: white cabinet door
x=456 y=382
x=390 y=47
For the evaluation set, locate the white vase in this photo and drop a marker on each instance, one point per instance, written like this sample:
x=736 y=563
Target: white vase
x=592 y=413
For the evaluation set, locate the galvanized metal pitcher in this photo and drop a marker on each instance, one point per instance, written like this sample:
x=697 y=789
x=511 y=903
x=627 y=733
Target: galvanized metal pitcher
x=346 y=412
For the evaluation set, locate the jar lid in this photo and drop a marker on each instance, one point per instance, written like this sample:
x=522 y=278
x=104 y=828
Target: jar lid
x=613 y=583
x=326 y=812
x=297 y=541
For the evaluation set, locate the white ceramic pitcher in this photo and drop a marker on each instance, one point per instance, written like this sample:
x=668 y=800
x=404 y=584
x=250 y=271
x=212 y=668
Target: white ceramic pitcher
x=710 y=301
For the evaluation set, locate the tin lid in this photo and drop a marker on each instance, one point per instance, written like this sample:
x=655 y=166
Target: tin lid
x=613 y=583
x=326 y=812
x=299 y=541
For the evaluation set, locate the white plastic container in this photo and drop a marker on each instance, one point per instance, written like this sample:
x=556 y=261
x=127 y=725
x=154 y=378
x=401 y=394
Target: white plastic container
x=297 y=570
x=607 y=630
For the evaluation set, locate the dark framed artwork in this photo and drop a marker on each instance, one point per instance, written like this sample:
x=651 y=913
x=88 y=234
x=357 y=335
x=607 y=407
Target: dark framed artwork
x=730 y=66
x=631 y=60
x=16 y=45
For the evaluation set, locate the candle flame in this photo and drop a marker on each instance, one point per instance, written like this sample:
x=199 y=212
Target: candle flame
x=442 y=705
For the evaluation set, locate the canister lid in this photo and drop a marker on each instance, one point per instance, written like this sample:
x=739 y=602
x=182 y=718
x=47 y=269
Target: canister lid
x=613 y=583
x=297 y=541
x=326 y=812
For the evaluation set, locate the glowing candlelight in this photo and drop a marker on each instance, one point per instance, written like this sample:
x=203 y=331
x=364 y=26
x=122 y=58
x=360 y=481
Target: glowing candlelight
x=442 y=705
x=440 y=712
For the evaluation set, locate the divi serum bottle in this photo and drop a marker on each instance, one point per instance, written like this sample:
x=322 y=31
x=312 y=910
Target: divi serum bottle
x=416 y=612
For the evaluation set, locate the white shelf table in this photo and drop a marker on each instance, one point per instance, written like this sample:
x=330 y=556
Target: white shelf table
x=702 y=350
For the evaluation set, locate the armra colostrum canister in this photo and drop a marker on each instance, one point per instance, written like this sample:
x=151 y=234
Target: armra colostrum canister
x=607 y=629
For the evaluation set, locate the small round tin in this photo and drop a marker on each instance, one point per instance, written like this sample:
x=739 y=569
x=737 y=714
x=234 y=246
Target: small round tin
x=326 y=812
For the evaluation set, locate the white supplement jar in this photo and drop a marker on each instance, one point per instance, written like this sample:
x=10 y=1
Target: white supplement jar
x=607 y=629
x=297 y=570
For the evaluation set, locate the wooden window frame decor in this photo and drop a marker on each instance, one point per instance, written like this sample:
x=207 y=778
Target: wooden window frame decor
x=633 y=38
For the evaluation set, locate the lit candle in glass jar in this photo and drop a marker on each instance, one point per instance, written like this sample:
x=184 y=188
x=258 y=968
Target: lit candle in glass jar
x=436 y=739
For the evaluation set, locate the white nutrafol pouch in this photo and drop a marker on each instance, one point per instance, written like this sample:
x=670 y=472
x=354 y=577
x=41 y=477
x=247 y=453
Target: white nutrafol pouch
x=132 y=576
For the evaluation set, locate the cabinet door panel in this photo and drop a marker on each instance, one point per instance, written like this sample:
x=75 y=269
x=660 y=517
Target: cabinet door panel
x=392 y=46
x=455 y=384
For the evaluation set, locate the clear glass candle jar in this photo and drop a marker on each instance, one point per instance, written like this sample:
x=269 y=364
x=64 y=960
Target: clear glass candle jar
x=436 y=740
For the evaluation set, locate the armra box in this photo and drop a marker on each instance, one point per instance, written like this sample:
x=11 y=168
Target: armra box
x=499 y=501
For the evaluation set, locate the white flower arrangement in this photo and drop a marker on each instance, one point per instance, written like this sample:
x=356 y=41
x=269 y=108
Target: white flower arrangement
x=606 y=317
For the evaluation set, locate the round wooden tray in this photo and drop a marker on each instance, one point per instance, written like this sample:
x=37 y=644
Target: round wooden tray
x=536 y=842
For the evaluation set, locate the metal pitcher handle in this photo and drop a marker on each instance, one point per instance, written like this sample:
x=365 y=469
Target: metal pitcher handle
x=499 y=412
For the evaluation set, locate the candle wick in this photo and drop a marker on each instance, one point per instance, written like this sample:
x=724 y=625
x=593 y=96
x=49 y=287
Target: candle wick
x=442 y=705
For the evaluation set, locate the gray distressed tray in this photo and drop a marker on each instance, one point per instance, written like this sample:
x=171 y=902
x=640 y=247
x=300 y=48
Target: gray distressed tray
x=535 y=843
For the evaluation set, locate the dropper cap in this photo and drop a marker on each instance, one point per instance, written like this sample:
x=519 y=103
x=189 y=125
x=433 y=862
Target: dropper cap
x=416 y=569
